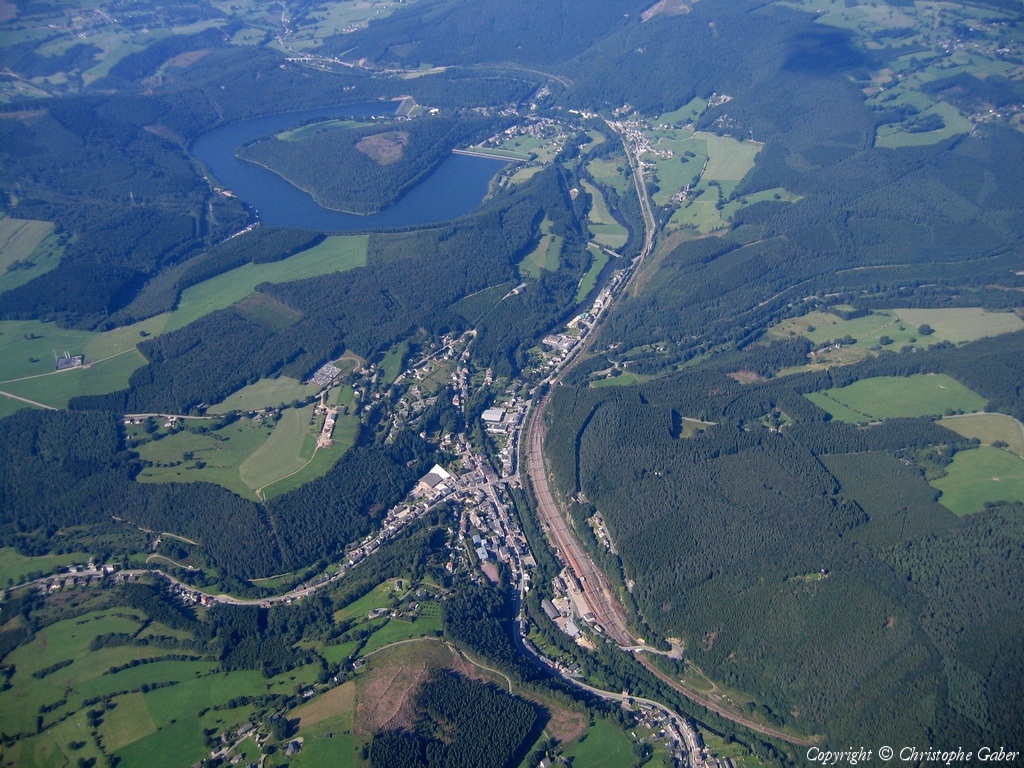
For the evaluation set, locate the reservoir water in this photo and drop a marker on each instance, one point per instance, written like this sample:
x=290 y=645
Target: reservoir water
x=455 y=187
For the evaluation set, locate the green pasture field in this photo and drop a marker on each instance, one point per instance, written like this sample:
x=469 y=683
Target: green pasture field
x=685 y=114
x=589 y=280
x=894 y=136
x=400 y=629
x=887 y=397
x=14 y=566
x=728 y=159
x=19 y=238
x=266 y=311
x=43 y=258
x=989 y=428
x=546 y=256
x=281 y=454
x=265 y=393
x=346 y=430
x=527 y=148
x=394 y=362
x=9 y=405
x=606 y=230
x=223 y=450
x=960 y=325
x=27 y=347
x=605 y=170
x=59 y=642
x=605 y=745
x=329 y=19
x=98 y=378
x=837 y=410
x=980 y=476
x=175 y=710
x=624 y=379
x=701 y=215
x=379 y=597
x=525 y=174
x=335 y=254
x=329 y=743
x=900 y=325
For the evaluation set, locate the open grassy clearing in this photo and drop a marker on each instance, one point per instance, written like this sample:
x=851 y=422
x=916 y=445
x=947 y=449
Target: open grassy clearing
x=887 y=397
x=98 y=378
x=606 y=230
x=900 y=326
x=379 y=597
x=622 y=379
x=525 y=174
x=178 y=739
x=394 y=362
x=980 y=476
x=611 y=171
x=14 y=567
x=61 y=642
x=589 y=280
x=960 y=325
x=685 y=114
x=27 y=348
x=214 y=457
x=265 y=393
x=45 y=257
x=346 y=430
x=895 y=136
x=605 y=745
x=546 y=256
x=19 y=238
x=335 y=254
x=989 y=428
x=396 y=630
x=728 y=159
x=337 y=701
x=281 y=454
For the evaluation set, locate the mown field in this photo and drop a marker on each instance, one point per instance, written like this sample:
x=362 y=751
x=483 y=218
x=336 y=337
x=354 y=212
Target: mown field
x=19 y=238
x=888 y=397
x=989 y=428
x=589 y=280
x=28 y=348
x=606 y=230
x=14 y=566
x=604 y=745
x=247 y=455
x=980 y=476
x=546 y=256
x=898 y=327
x=265 y=393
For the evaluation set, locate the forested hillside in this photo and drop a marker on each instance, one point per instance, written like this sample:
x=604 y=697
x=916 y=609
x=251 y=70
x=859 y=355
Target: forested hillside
x=783 y=571
x=364 y=169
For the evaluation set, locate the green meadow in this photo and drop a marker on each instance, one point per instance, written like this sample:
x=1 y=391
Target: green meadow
x=888 y=397
x=28 y=348
x=980 y=476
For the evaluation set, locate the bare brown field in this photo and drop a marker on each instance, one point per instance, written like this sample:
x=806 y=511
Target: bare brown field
x=187 y=59
x=385 y=148
x=336 y=701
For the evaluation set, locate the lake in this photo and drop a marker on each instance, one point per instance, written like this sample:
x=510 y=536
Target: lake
x=455 y=188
